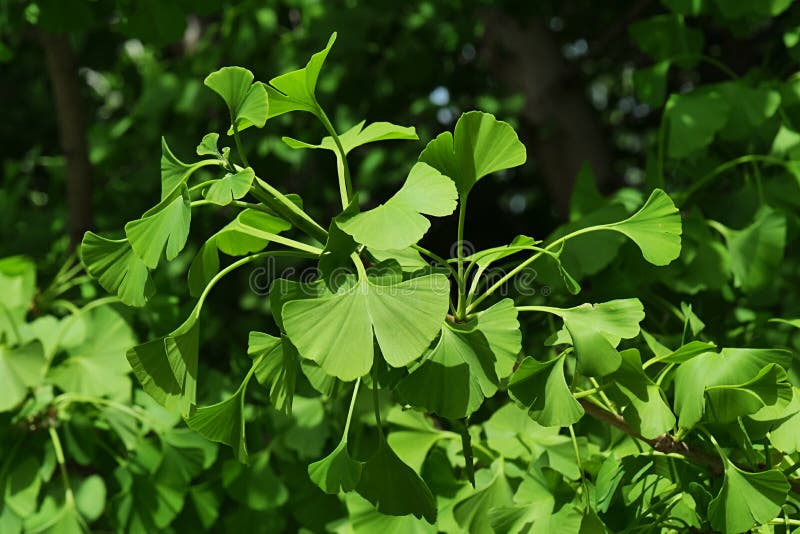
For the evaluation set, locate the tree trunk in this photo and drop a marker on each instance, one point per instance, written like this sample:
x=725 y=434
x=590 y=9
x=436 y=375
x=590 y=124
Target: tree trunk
x=63 y=72
x=563 y=129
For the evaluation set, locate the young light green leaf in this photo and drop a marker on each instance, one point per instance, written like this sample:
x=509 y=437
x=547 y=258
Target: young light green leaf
x=247 y=101
x=399 y=223
x=97 y=366
x=167 y=367
x=21 y=368
x=337 y=471
x=736 y=379
x=358 y=136
x=480 y=145
x=231 y=187
x=166 y=226
x=541 y=388
x=597 y=329
x=276 y=369
x=492 y=490
x=117 y=268
x=336 y=330
x=393 y=487
x=209 y=145
x=747 y=499
x=500 y=326
x=655 y=228
x=296 y=90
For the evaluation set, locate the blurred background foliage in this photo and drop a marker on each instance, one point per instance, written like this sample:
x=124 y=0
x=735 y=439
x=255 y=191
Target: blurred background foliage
x=616 y=98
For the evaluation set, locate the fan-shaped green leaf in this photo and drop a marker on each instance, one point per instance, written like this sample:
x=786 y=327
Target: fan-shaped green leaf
x=164 y=226
x=231 y=187
x=655 y=228
x=246 y=101
x=480 y=145
x=295 y=91
x=358 y=136
x=21 y=368
x=118 y=270
x=541 y=388
x=337 y=471
x=492 y=490
x=693 y=119
x=399 y=223
x=747 y=499
x=336 y=330
x=167 y=367
x=393 y=487
x=276 y=369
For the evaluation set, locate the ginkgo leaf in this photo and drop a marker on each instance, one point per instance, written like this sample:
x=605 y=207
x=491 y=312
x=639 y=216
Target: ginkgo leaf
x=480 y=145
x=230 y=187
x=117 y=268
x=209 y=145
x=97 y=366
x=21 y=368
x=336 y=330
x=296 y=90
x=246 y=101
x=167 y=367
x=277 y=367
x=541 y=388
x=394 y=488
x=595 y=331
x=693 y=119
x=337 y=471
x=166 y=226
x=756 y=251
x=358 y=136
x=655 y=228
x=466 y=364
x=492 y=490
x=399 y=223
x=175 y=173
x=745 y=370
x=224 y=422
x=747 y=499
x=646 y=411
x=21 y=486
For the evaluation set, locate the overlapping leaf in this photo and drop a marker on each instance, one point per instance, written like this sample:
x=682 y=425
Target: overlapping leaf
x=358 y=136
x=117 y=268
x=541 y=388
x=247 y=101
x=480 y=145
x=336 y=330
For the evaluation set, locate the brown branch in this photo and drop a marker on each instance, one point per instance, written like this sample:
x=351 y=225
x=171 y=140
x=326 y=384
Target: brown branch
x=63 y=72
x=666 y=443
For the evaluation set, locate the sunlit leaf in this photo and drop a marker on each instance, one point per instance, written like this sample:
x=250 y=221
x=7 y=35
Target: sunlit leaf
x=541 y=388
x=655 y=228
x=400 y=222
x=747 y=499
x=230 y=187
x=164 y=226
x=480 y=145
x=246 y=101
x=693 y=119
x=336 y=330
x=358 y=136
x=295 y=91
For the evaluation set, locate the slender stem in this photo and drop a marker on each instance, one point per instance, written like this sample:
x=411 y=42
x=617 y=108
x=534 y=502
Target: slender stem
x=791 y=522
x=65 y=399
x=791 y=469
x=705 y=180
x=435 y=257
x=350 y=410
x=602 y=394
x=376 y=401
x=288 y=209
x=461 y=307
x=466 y=446
x=513 y=272
x=707 y=59
x=577 y=450
x=62 y=465
x=239 y=148
x=202 y=185
x=237 y=203
x=343 y=170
